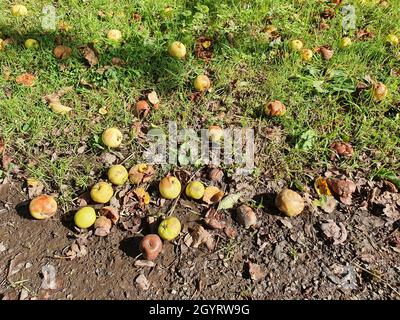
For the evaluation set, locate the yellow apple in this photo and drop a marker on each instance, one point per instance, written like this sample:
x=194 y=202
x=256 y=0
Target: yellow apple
x=114 y=35
x=85 y=217
x=43 y=207
x=101 y=192
x=289 y=202
x=195 y=190
x=170 y=187
x=117 y=174
x=306 y=54
x=215 y=133
x=202 y=83
x=177 y=50
x=296 y=45
x=169 y=228
x=31 y=44
x=345 y=42
x=19 y=10
x=112 y=137
x=393 y=39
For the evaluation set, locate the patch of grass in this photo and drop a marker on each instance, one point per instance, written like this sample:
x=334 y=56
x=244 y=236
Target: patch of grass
x=247 y=70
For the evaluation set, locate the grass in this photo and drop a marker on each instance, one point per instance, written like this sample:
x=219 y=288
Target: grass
x=246 y=69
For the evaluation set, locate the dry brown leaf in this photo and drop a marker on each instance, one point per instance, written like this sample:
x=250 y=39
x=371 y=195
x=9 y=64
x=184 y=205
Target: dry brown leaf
x=200 y=236
x=337 y=234
x=54 y=103
x=35 y=187
x=255 y=271
x=342 y=188
x=343 y=149
x=90 y=54
x=26 y=79
x=215 y=219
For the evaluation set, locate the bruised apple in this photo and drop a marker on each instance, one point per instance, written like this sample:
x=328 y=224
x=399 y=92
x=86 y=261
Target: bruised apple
x=101 y=192
x=62 y=52
x=306 y=54
x=177 y=50
x=215 y=133
x=43 y=207
x=170 y=187
x=114 y=35
x=151 y=246
x=112 y=137
x=275 y=108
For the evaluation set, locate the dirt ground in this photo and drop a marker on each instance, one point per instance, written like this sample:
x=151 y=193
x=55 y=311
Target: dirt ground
x=281 y=258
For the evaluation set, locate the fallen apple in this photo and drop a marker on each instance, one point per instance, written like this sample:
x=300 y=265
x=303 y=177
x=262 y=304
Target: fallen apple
x=101 y=192
x=112 y=137
x=289 y=202
x=345 y=42
x=62 y=52
x=85 y=217
x=151 y=245
x=117 y=174
x=379 y=91
x=202 y=83
x=19 y=10
x=169 y=228
x=142 y=107
x=307 y=54
x=195 y=190
x=215 y=133
x=296 y=45
x=43 y=207
x=31 y=44
x=393 y=40
x=1 y=44
x=177 y=50
x=170 y=187
x=275 y=108
x=114 y=35
x=102 y=226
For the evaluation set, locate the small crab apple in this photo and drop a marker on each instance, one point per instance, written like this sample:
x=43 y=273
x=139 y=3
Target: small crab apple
x=275 y=108
x=215 y=133
x=31 y=44
x=195 y=190
x=101 y=192
x=177 y=50
x=170 y=187
x=43 y=207
x=117 y=174
x=169 y=228
x=112 y=137
x=114 y=35
x=202 y=83
x=379 y=91
x=306 y=54
x=85 y=217
x=151 y=245
x=289 y=202
x=62 y=52
x=296 y=45
x=19 y=10
x=393 y=40
x=345 y=42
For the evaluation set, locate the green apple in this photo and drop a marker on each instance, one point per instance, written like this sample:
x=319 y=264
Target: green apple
x=31 y=44
x=112 y=137
x=345 y=42
x=195 y=190
x=170 y=187
x=85 y=217
x=19 y=10
x=296 y=45
x=169 y=228
x=177 y=50
x=101 y=192
x=117 y=174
